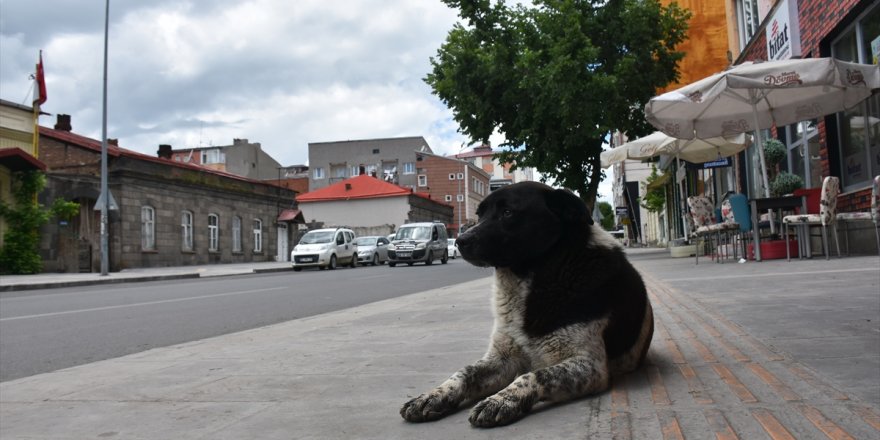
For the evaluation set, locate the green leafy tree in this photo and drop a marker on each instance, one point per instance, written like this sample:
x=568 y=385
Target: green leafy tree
x=655 y=198
x=607 y=215
x=555 y=79
x=20 y=252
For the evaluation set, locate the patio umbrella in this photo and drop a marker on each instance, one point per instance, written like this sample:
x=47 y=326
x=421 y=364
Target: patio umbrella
x=691 y=150
x=754 y=96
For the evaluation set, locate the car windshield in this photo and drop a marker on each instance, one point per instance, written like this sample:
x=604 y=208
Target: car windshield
x=366 y=241
x=316 y=237
x=451 y=241
x=414 y=233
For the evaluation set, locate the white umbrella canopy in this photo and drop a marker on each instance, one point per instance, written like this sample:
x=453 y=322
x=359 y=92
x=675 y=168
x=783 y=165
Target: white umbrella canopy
x=691 y=150
x=754 y=96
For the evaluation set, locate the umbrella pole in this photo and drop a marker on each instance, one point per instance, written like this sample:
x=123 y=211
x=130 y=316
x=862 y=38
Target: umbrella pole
x=760 y=145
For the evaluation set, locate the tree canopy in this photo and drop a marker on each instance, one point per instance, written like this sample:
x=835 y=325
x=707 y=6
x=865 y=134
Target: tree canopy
x=556 y=78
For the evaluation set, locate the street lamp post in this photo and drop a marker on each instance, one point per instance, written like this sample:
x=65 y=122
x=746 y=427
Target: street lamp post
x=458 y=199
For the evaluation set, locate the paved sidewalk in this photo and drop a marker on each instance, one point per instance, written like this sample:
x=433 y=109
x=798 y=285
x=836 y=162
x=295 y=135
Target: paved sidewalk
x=769 y=350
x=50 y=280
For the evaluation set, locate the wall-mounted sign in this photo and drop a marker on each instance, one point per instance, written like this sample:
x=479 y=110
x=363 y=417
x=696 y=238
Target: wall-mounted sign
x=621 y=211
x=719 y=163
x=783 y=32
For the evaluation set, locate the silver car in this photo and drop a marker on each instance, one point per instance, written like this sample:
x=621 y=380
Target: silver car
x=372 y=250
x=325 y=249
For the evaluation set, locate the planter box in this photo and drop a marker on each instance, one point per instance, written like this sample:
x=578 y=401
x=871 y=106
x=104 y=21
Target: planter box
x=682 y=251
x=774 y=250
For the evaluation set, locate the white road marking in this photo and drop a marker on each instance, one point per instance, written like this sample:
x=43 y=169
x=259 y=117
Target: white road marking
x=149 y=303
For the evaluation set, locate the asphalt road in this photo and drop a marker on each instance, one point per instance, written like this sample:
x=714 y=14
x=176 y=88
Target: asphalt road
x=47 y=330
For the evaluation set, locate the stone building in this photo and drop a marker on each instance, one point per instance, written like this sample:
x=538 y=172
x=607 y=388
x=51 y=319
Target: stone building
x=169 y=213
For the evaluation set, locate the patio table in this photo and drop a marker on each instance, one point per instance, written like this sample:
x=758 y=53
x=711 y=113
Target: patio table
x=783 y=203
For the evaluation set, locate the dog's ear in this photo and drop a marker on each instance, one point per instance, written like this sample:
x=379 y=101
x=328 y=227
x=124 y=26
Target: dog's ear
x=569 y=207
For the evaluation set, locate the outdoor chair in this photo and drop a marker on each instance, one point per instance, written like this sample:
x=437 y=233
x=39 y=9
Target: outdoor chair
x=825 y=218
x=702 y=213
x=739 y=205
x=873 y=216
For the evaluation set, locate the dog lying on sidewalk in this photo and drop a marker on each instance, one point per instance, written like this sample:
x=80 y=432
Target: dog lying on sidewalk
x=570 y=310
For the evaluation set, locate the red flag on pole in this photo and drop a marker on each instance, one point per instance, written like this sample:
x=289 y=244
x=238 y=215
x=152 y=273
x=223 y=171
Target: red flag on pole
x=40 y=87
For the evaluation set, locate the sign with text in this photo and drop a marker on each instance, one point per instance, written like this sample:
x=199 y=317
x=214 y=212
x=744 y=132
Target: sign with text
x=783 y=32
x=621 y=211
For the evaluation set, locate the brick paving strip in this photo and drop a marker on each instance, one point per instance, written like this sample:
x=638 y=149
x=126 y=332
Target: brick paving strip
x=705 y=374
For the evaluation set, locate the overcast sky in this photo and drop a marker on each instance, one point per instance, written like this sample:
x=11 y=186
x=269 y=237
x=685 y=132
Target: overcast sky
x=281 y=73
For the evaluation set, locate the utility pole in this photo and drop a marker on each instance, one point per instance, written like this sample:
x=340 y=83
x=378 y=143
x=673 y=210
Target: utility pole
x=458 y=199
x=105 y=192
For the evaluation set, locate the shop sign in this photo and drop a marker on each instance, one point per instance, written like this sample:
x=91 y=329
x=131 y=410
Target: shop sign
x=718 y=163
x=621 y=211
x=783 y=32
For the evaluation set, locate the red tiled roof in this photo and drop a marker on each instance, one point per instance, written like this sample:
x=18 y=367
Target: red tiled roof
x=358 y=187
x=116 y=151
x=17 y=159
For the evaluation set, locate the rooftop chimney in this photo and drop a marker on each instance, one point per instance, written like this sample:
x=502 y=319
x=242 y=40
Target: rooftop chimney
x=113 y=141
x=348 y=187
x=164 y=151
x=63 y=123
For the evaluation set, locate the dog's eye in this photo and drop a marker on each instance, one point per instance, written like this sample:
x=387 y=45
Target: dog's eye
x=507 y=213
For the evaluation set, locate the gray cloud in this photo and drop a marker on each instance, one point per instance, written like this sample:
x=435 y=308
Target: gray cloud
x=276 y=72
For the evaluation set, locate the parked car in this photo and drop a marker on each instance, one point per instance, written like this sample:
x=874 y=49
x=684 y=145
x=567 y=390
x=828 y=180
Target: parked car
x=451 y=249
x=372 y=250
x=418 y=242
x=325 y=249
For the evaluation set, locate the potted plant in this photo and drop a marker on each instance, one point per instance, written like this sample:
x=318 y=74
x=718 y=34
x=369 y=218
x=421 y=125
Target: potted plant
x=781 y=183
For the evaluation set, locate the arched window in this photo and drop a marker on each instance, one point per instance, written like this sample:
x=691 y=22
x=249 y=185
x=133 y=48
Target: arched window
x=186 y=230
x=148 y=228
x=213 y=232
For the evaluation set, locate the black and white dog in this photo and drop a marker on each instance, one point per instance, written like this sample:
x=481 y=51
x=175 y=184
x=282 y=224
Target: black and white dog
x=570 y=310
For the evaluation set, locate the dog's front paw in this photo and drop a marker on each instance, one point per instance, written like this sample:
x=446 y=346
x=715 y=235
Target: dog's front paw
x=497 y=410
x=427 y=407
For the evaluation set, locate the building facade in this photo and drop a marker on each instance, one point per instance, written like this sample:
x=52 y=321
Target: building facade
x=168 y=213
x=845 y=144
x=457 y=182
x=242 y=158
x=500 y=174
x=17 y=151
x=391 y=159
x=371 y=206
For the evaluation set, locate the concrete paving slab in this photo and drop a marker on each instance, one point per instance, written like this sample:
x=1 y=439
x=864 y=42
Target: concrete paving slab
x=749 y=351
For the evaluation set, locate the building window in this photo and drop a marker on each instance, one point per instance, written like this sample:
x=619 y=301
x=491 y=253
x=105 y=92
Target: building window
x=319 y=173
x=459 y=197
x=451 y=176
x=236 y=234
x=859 y=127
x=186 y=230
x=213 y=232
x=371 y=170
x=375 y=151
x=448 y=197
x=258 y=235
x=355 y=171
x=213 y=156
x=148 y=228
x=409 y=168
x=749 y=20
x=460 y=176
x=423 y=180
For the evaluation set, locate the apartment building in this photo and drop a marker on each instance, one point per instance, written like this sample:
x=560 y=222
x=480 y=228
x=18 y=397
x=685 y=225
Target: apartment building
x=500 y=173
x=390 y=159
x=242 y=158
x=457 y=182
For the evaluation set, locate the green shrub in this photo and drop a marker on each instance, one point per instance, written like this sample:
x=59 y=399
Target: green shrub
x=785 y=183
x=774 y=152
x=20 y=251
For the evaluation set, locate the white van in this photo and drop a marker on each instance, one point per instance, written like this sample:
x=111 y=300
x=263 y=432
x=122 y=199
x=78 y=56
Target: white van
x=325 y=248
x=419 y=242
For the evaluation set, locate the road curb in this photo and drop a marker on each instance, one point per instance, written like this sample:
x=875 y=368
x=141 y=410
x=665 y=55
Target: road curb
x=52 y=285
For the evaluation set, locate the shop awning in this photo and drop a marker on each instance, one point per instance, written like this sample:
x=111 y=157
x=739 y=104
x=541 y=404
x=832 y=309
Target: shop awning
x=17 y=159
x=291 y=215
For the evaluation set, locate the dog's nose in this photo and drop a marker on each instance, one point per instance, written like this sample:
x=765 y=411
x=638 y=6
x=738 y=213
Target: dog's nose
x=464 y=241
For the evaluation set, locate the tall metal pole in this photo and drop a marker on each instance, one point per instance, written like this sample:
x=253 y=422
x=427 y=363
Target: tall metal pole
x=458 y=199
x=105 y=192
